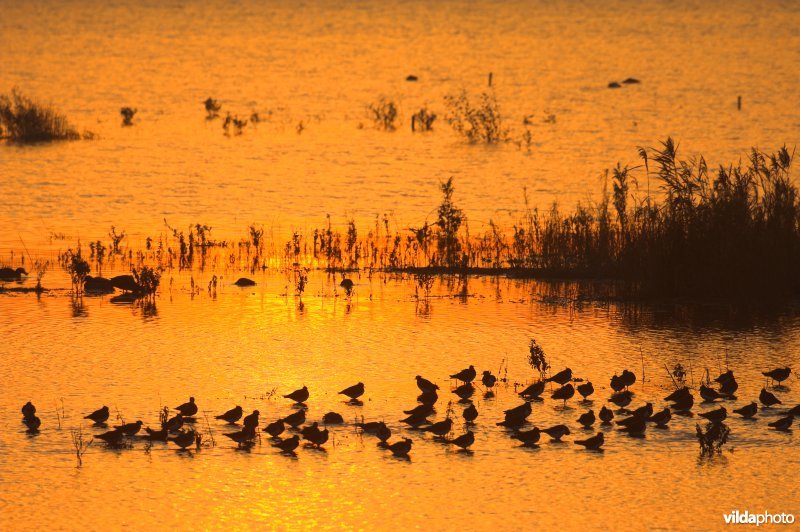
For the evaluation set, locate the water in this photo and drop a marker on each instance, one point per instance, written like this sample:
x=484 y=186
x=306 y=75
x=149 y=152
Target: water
x=322 y=63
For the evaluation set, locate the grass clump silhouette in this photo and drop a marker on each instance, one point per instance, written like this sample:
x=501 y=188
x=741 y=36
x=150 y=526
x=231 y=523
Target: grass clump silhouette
x=383 y=114
x=476 y=121
x=26 y=121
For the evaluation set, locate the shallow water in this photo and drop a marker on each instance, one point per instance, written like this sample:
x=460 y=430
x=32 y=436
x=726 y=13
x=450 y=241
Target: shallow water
x=321 y=63
x=237 y=347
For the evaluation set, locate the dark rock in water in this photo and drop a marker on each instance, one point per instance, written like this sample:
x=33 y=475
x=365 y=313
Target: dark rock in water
x=412 y=77
x=630 y=81
x=98 y=285
x=244 y=281
x=614 y=85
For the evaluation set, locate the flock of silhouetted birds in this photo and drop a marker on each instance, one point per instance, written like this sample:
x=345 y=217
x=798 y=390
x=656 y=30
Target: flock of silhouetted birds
x=179 y=429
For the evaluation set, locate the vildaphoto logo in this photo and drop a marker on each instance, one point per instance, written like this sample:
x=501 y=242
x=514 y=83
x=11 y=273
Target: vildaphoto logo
x=764 y=518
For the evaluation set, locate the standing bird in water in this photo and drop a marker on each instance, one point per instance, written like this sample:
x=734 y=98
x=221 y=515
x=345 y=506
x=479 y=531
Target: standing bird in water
x=780 y=374
x=465 y=375
x=28 y=410
x=463 y=441
x=187 y=409
x=425 y=385
x=562 y=377
x=99 y=416
x=488 y=380
x=33 y=423
x=768 y=398
x=347 y=285
x=470 y=414
x=251 y=421
x=533 y=391
x=401 y=448
x=628 y=378
x=586 y=389
x=184 y=439
x=354 y=392
x=289 y=444
x=564 y=393
x=747 y=411
x=298 y=396
x=606 y=415
x=232 y=416
x=587 y=419
x=594 y=443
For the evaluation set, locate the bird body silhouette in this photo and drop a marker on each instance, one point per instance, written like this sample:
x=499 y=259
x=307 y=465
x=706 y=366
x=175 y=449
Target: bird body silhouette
x=709 y=394
x=112 y=437
x=174 y=423
x=184 y=439
x=426 y=386
x=428 y=398
x=187 y=409
x=783 y=423
x=768 y=398
x=621 y=399
x=617 y=384
x=157 y=435
x=779 y=374
x=715 y=416
x=401 y=448
x=562 y=377
x=298 y=396
x=233 y=415
x=242 y=437
x=606 y=415
x=289 y=444
x=99 y=416
x=275 y=428
x=628 y=378
x=422 y=410
x=353 y=392
x=465 y=391
x=564 y=393
x=33 y=423
x=528 y=438
x=129 y=429
x=557 y=432
x=295 y=419
x=28 y=410
x=488 y=380
x=332 y=418
x=587 y=419
x=533 y=391
x=661 y=418
x=470 y=414
x=748 y=411
x=464 y=441
x=465 y=375
x=244 y=281
x=585 y=389
x=251 y=421
x=126 y=283
x=440 y=428
x=11 y=274
x=594 y=443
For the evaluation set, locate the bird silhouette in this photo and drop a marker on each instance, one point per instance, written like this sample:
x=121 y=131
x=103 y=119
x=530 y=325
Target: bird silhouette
x=376 y=428
x=289 y=444
x=562 y=377
x=440 y=428
x=157 y=435
x=347 y=285
x=28 y=410
x=585 y=389
x=709 y=395
x=99 y=416
x=401 y=448
x=298 y=396
x=465 y=391
x=275 y=428
x=465 y=375
x=33 y=423
x=233 y=415
x=428 y=398
x=606 y=415
x=617 y=384
x=332 y=418
x=564 y=393
x=748 y=411
x=244 y=281
x=529 y=438
x=488 y=380
x=129 y=429
x=783 y=423
x=470 y=414
x=126 y=283
x=353 y=392
x=557 y=432
x=521 y=411
x=587 y=419
x=633 y=425
x=184 y=439
x=728 y=388
x=594 y=443
x=187 y=409
x=251 y=421
x=779 y=374
x=112 y=437
x=415 y=420
x=97 y=285
x=425 y=385
x=679 y=395
x=311 y=432
x=628 y=378
x=644 y=411
x=464 y=441
x=243 y=437
x=621 y=399
x=715 y=416
x=768 y=398
x=661 y=418
x=319 y=438
x=423 y=410
x=174 y=423
x=295 y=419
x=533 y=391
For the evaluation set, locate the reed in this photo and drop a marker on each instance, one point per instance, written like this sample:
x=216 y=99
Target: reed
x=24 y=120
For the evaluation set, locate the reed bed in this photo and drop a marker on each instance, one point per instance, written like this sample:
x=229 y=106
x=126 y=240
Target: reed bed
x=731 y=232
x=26 y=121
